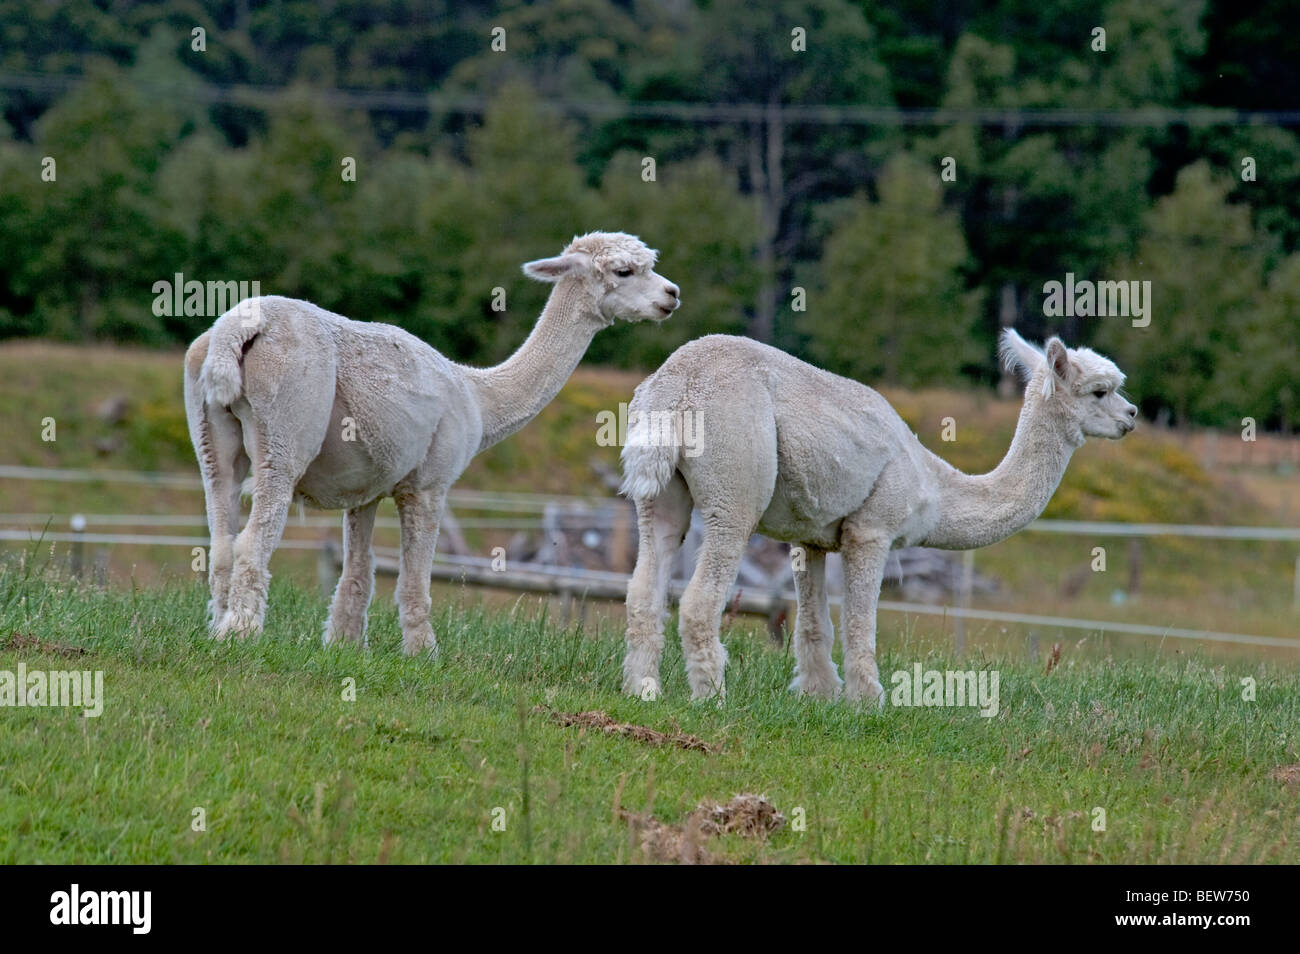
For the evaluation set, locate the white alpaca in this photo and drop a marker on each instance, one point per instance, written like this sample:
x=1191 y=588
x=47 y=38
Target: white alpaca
x=344 y=413
x=818 y=460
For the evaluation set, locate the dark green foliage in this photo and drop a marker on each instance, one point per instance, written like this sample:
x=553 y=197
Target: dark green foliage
x=166 y=164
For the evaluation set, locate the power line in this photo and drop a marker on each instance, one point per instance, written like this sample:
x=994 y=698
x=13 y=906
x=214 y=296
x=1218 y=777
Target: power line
x=408 y=101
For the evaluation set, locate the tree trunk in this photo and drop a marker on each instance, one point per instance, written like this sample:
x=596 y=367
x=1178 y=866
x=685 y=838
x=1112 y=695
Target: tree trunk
x=765 y=172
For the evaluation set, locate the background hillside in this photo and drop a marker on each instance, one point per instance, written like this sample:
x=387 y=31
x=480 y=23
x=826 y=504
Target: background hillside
x=1151 y=476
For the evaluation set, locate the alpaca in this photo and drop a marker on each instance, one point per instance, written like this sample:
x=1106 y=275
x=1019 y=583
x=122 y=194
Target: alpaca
x=823 y=462
x=342 y=413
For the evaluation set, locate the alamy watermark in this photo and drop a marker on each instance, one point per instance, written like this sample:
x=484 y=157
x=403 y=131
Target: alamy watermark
x=176 y=297
x=667 y=428
x=946 y=688
x=130 y=908
x=56 y=688
x=1089 y=299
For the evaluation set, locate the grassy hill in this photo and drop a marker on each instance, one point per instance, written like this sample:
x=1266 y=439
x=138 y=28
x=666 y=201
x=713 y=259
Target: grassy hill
x=257 y=752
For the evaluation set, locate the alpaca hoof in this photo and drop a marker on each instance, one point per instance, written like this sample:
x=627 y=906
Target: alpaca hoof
x=235 y=627
x=826 y=686
x=216 y=613
x=867 y=692
x=334 y=637
x=641 y=674
x=420 y=641
x=706 y=673
x=716 y=691
x=237 y=624
x=645 y=688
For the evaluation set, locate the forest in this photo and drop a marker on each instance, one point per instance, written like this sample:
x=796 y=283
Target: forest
x=877 y=187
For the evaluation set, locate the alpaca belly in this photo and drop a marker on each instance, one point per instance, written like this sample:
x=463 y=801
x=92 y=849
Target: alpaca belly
x=824 y=537
x=345 y=474
x=800 y=520
x=372 y=442
x=343 y=489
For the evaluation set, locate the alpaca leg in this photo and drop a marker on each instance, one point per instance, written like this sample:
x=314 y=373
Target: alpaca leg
x=864 y=556
x=250 y=577
x=222 y=558
x=347 y=618
x=702 y=605
x=814 y=634
x=219 y=447
x=731 y=482
x=222 y=479
x=661 y=524
x=420 y=514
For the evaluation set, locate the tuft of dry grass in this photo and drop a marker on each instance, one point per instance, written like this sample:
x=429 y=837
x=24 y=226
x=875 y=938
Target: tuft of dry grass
x=1289 y=775
x=751 y=816
x=641 y=733
x=23 y=641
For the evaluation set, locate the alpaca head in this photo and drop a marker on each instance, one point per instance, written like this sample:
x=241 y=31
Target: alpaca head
x=1077 y=385
x=617 y=271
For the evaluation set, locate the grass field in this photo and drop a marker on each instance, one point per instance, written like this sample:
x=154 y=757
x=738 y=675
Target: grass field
x=259 y=738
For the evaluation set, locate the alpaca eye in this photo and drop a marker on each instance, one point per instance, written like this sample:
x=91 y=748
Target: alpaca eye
x=623 y=272
x=1099 y=394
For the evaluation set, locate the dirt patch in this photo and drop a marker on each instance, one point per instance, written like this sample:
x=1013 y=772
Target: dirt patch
x=660 y=842
x=641 y=733
x=1288 y=775
x=23 y=641
x=751 y=816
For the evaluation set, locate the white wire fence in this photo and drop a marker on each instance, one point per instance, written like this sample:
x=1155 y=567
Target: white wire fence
x=575 y=582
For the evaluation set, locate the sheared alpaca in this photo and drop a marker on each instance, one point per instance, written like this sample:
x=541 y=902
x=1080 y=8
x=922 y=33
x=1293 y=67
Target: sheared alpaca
x=343 y=413
x=824 y=462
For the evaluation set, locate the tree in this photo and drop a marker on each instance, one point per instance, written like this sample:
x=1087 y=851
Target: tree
x=694 y=214
x=891 y=303
x=1205 y=264
x=526 y=198
x=1265 y=368
x=97 y=243
x=774 y=57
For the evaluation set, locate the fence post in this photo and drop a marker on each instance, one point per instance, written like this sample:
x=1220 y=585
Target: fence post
x=78 y=545
x=1134 y=565
x=327 y=566
x=963 y=599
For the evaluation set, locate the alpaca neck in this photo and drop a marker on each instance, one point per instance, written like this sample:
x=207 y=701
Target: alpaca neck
x=515 y=391
x=977 y=510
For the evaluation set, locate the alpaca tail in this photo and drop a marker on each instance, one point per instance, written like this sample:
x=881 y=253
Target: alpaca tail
x=221 y=379
x=650 y=455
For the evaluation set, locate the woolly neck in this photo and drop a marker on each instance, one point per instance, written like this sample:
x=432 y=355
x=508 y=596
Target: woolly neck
x=514 y=392
x=977 y=510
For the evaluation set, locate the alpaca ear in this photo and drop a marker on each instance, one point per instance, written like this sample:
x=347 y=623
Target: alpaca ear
x=1058 y=359
x=1017 y=354
x=1058 y=366
x=553 y=269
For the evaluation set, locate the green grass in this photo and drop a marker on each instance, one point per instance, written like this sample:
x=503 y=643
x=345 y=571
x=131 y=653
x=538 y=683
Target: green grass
x=259 y=736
